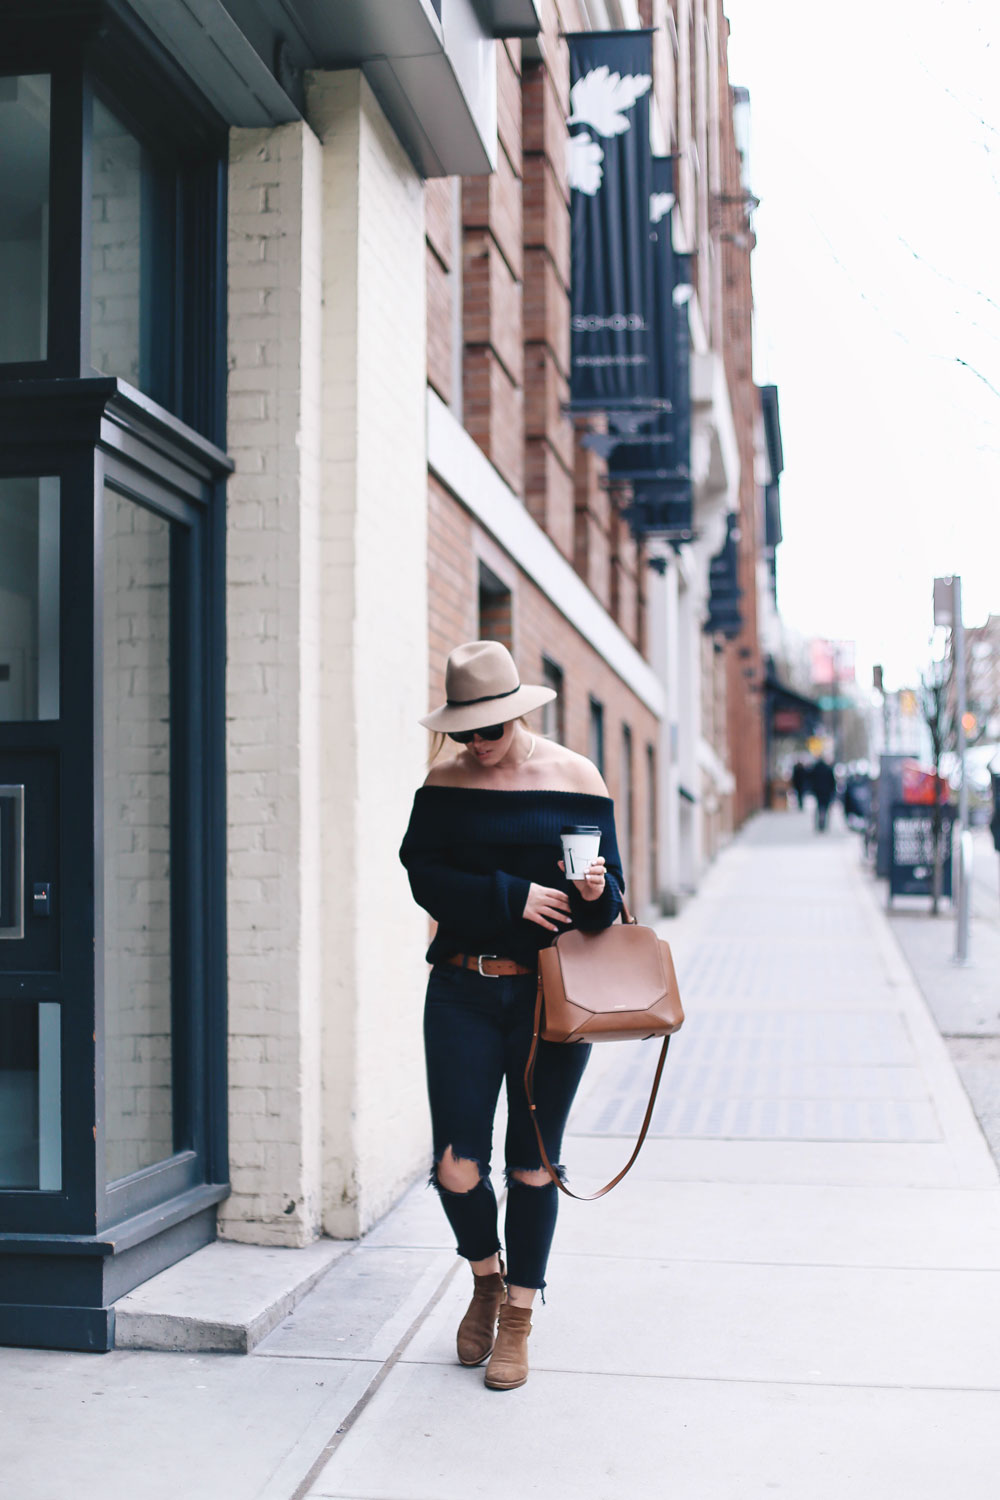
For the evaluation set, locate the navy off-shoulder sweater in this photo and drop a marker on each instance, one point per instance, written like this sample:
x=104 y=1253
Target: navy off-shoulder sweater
x=471 y=853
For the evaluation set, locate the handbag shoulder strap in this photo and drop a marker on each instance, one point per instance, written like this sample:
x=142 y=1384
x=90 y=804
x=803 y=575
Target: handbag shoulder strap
x=529 y=1079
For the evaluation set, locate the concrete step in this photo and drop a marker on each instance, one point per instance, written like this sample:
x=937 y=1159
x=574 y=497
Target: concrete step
x=224 y=1298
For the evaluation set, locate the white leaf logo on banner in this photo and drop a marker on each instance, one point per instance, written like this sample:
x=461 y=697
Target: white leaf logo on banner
x=660 y=204
x=600 y=98
x=629 y=422
x=583 y=163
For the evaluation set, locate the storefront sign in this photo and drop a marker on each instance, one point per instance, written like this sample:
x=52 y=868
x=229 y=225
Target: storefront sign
x=911 y=867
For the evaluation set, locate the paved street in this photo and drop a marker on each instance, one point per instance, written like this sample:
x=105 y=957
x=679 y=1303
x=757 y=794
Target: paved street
x=986 y=878
x=964 y=1000
x=797 y=1290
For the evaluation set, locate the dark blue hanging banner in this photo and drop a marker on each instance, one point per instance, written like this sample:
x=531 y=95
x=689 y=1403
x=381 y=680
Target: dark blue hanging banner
x=724 y=614
x=651 y=445
x=610 y=174
x=680 y=297
x=665 y=510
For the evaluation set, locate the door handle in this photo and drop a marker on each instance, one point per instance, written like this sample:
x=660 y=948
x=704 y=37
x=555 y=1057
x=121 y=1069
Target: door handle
x=11 y=862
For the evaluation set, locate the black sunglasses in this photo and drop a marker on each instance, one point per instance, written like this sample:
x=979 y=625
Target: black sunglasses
x=466 y=736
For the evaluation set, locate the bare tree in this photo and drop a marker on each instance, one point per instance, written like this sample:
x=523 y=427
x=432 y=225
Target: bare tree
x=854 y=738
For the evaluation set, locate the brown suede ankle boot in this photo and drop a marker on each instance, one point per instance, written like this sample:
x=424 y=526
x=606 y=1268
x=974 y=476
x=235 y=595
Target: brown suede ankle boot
x=478 y=1329
x=508 y=1367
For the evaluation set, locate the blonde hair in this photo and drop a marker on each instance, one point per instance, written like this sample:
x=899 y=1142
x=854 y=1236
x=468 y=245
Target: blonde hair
x=438 y=739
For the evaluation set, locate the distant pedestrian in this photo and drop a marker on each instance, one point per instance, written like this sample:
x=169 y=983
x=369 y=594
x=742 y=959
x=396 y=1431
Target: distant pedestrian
x=857 y=801
x=823 y=785
x=482 y=853
x=800 y=781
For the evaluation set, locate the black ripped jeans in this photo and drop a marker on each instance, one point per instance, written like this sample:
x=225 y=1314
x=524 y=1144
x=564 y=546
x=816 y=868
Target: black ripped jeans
x=477 y=1032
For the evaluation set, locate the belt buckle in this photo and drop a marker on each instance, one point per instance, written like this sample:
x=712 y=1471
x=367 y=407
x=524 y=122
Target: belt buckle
x=479 y=965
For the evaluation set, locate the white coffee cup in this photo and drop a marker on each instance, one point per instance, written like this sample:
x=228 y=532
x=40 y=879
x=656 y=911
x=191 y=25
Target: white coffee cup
x=581 y=845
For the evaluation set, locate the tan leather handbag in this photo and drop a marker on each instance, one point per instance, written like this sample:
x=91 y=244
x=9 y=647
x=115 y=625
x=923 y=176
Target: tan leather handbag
x=615 y=985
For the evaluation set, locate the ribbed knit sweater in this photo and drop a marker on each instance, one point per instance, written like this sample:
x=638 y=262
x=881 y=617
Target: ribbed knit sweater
x=471 y=854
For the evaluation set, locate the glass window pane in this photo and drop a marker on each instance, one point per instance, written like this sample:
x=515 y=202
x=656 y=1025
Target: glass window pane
x=552 y=712
x=137 y=981
x=133 y=234
x=30 y=1119
x=24 y=217
x=29 y=598
x=119 y=166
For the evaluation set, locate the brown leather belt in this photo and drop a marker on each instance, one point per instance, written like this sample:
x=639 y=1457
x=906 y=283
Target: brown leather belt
x=488 y=965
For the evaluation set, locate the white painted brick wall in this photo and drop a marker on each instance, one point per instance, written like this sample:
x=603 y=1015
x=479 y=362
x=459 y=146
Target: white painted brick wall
x=115 y=251
x=274 y=901
x=374 y=651
x=137 y=1010
x=327 y=667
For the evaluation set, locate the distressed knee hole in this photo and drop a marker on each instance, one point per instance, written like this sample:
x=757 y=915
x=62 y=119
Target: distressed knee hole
x=457 y=1174
x=537 y=1178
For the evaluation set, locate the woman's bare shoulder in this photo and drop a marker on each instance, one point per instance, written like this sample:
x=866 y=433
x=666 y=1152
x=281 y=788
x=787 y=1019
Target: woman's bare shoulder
x=576 y=772
x=450 y=772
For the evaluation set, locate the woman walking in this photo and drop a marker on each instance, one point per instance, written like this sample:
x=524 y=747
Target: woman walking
x=482 y=854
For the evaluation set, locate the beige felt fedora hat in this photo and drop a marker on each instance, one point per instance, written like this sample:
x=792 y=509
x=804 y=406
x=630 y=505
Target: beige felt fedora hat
x=483 y=687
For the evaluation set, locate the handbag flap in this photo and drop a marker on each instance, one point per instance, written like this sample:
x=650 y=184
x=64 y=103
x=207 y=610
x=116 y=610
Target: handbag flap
x=619 y=968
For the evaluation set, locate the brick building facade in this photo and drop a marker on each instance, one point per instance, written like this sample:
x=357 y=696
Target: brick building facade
x=685 y=749
x=301 y=426
x=498 y=278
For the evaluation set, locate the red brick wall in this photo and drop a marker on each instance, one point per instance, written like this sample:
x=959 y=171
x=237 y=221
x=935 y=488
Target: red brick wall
x=515 y=274
x=744 y=664
x=548 y=430
x=453 y=602
x=492 y=270
x=515 y=269
x=537 y=629
x=439 y=217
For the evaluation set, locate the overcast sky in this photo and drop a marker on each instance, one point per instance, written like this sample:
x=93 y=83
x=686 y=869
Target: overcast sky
x=875 y=152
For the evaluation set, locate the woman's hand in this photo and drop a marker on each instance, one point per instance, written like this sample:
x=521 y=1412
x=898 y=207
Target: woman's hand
x=591 y=887
x=546 y=907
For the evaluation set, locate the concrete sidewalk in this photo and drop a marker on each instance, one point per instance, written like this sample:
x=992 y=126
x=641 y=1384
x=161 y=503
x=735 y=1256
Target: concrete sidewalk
x=796 y=1291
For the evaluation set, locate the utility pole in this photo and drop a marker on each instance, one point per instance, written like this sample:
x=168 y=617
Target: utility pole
x=958 y=650
x=836 y=701
x=879 y=686
x=948 y=611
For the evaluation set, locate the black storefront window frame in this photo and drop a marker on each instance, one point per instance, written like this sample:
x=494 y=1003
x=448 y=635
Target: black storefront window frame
x=156 y=103
x=139 y=451
x=68 y=266
x=66 y=1255
x=73 y=1207
x=186 y=1167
